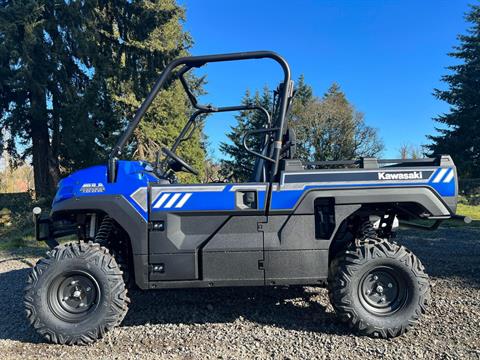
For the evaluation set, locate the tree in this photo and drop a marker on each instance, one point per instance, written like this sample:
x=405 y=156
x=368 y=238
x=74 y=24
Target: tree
x=329 y=128
x=303 y=99
x=72 y=74
x=460 y=136
x=239 y=164
x=145 y=36
x=28 y=70
x=410 y=151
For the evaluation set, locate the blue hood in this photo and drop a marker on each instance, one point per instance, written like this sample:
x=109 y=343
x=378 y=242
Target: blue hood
x=92 y=181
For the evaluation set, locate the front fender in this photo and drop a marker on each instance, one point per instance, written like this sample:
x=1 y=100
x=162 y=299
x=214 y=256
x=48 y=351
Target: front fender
x=119 y=209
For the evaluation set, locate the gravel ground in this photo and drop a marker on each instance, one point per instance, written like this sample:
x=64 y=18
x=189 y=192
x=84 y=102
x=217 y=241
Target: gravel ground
x=280 y=323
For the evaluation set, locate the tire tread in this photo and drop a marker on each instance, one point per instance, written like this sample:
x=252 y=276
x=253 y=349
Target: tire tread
x=347 y=262
x=90 y=252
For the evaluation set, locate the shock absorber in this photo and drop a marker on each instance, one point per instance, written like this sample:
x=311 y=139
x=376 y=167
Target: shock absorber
x=120 y=252
x=104 y=231
x=366 y=230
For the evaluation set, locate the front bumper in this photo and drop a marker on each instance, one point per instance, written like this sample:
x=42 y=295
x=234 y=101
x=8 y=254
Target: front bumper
x=44 y=230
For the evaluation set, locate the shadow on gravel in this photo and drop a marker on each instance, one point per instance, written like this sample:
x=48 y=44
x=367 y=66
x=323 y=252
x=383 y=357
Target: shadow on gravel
x=446 y=253
x=13 y=323
x=290 y=308
x=449 y=252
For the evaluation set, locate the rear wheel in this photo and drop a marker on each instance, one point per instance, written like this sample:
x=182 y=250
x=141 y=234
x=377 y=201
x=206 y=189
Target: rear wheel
x=378 y=288
x=76 y=294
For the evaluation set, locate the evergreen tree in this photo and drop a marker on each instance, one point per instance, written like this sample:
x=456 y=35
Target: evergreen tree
x=239 y=164
x=461 y=136
x=72 y=74
x=327 y=128
x=38 y=72
x=142 y=37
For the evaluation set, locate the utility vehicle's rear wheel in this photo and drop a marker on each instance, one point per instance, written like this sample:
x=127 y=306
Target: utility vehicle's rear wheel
x=378 y=288
x=76 y=294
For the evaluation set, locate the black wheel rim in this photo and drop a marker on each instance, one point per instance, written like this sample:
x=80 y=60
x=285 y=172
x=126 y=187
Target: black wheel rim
x=383 y=291
x=72 y=297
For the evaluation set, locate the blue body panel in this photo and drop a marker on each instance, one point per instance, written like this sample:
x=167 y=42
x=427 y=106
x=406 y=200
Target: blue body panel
x=191 y=199
x=444 y=186
x=92 y=181
x=132 y=177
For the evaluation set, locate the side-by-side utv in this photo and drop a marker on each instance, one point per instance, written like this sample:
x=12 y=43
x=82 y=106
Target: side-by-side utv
x=293 y=223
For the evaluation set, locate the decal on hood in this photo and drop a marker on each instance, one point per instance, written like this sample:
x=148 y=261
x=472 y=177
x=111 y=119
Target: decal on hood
x=92 y=188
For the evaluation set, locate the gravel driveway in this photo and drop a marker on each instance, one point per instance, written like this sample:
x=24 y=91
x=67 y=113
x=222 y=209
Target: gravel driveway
x=295 y=323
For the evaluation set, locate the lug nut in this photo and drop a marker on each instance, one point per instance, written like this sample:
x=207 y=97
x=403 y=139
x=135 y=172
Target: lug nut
x=390 y=285
x=382 y=299
x=88 y=288
x=368 y=292
x=375 y=278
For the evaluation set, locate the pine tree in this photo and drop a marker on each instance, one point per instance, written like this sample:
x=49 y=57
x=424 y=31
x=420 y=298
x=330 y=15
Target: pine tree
x=460 y=135
x=141 y=38
x=37 y=73
x=239 y=164
x=72 y=74
x=327 y=128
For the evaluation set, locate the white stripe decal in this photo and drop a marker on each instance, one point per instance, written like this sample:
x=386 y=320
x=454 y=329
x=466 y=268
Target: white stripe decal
x=449 y=177
x=183 y=200
x=172 y=201
x=161 y=201
x=440 y=175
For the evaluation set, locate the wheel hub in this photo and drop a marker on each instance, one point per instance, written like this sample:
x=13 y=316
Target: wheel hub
x=382 y=291
x=73 y=296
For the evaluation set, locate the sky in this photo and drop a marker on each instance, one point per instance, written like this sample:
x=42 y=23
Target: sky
x=387 y=56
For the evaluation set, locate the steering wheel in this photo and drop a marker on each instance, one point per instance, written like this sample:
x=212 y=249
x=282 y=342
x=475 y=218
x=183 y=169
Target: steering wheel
x=178 y=163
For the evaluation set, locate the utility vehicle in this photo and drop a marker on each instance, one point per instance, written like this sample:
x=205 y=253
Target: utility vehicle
x=323 y=223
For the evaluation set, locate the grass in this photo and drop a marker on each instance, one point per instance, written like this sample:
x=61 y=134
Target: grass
x=469 y=210
x=20 y=235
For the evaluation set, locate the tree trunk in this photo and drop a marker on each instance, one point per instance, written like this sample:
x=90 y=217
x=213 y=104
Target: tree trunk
x=41 y=152
x=140 y=144
x=54 y=167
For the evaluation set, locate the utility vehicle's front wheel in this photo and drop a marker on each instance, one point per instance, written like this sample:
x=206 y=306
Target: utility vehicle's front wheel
x=379 y=288
x=76 y=294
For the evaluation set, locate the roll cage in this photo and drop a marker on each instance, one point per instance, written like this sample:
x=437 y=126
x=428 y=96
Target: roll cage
x=273 y=131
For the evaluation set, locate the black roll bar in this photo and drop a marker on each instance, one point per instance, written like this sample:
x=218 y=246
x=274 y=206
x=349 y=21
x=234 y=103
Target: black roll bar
x=254 y=132
x=209 y=110
x=196 y=62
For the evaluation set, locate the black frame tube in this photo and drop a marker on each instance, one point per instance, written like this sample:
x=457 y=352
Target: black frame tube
x=195 y=62
x=210 y=110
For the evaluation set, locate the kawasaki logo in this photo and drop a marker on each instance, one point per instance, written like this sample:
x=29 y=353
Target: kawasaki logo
x=400 y=176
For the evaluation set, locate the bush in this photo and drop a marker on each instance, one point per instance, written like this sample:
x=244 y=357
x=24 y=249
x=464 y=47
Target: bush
x=16 y=225
x=469 y=192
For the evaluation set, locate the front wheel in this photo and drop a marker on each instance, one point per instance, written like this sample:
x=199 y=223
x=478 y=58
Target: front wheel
x=379 y=288
x=76 y=294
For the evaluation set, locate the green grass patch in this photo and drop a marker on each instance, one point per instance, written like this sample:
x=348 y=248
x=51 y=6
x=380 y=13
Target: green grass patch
x=20 y=234
x=469 y=210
